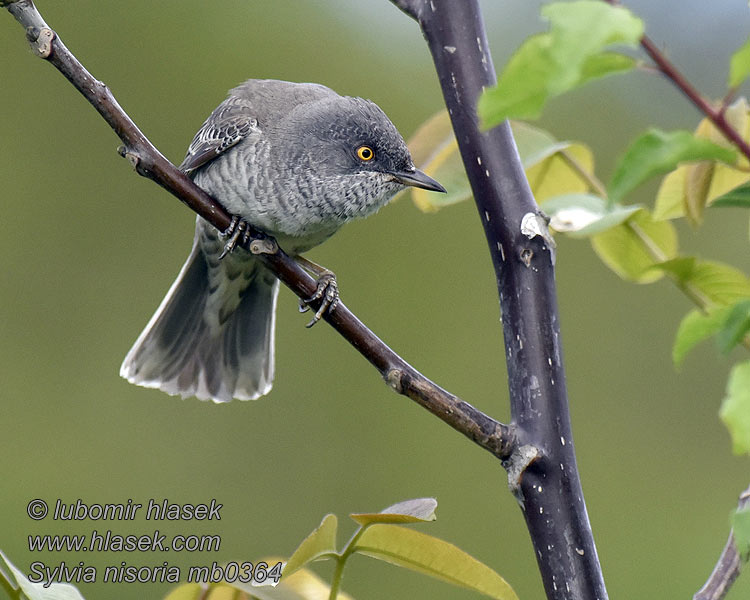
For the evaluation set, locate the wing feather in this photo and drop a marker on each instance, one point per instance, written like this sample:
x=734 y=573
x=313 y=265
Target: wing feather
x=231 y=122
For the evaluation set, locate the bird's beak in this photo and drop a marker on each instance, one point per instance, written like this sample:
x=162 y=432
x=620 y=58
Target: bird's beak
x=415 y=177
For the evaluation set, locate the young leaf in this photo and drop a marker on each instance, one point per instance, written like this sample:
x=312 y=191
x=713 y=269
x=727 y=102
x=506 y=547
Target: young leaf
x=739 y=65
x=562 y=172
x=694 y=328
x=735 y=408
x=216 y=591
x=38 y=591
x=725 y=188
x=419 y=510
x=320 y=542
x=741 y=532
x=632 y=248
x=552 y=167
x=434 y=557
x=434 y=150
x=582 y=215
x=689 y=188
x=656 y=152
x=698 y=184
x=735 y=327
x=303 y=584
x=552 y=63
x=187 y=591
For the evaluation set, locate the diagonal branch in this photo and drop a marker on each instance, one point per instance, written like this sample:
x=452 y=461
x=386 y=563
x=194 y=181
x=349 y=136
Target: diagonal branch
x=728 y=566
x=542 y=473
x=670 y=71
x=149 y=162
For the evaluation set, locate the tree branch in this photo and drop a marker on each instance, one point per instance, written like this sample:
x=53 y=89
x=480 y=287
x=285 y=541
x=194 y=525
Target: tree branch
x=728 y=567
x=491 y=435
x=542 y=473
x=716 y=116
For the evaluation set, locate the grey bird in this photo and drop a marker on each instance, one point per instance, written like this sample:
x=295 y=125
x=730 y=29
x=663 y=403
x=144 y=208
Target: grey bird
x=296 y=161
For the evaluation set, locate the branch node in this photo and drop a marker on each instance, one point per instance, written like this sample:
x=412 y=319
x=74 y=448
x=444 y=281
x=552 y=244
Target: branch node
x=393 y=377
x=264 y=246
x=526 y=255
x=520 y=460
x=131 y=156
x=40 y=40
x=537 y=224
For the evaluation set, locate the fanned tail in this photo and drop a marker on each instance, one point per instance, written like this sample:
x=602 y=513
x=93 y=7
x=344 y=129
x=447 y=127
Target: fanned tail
x=190 y=350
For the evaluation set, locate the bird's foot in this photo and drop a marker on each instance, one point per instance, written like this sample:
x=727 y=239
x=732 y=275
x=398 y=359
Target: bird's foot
x=238 y=229
x=327 y=292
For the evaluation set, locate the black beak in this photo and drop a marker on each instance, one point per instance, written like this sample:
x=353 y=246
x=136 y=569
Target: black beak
x=416 y=178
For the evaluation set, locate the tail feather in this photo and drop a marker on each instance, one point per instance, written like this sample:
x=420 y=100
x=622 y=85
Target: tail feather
x=185 y=351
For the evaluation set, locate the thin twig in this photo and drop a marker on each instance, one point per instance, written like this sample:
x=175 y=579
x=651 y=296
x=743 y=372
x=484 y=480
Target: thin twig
x=488 y=433
x=728 y=566
x=691 y=93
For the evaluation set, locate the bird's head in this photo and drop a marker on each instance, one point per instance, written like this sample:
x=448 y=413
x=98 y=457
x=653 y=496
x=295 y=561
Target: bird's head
x=350 y=148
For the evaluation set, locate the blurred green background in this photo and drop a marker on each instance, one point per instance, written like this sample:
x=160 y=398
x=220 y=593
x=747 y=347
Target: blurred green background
x=88 y=250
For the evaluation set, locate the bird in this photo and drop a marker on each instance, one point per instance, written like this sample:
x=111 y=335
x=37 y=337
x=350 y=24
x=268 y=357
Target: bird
x=295 y=161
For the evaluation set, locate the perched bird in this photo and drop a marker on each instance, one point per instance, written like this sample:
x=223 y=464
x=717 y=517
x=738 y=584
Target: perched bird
x=296 y=161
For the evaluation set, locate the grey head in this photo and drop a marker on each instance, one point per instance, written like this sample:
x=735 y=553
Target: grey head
x=345 y=157
x=312 y=159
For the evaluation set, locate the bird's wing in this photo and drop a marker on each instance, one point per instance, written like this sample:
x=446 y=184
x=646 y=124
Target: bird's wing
x=231 y=122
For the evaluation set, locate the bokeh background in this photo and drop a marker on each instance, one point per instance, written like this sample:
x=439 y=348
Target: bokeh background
x=88 y=249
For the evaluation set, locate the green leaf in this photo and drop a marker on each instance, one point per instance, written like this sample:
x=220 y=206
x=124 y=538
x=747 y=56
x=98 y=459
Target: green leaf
x=739 y=65
x=38 y=591
x=722 y=284
x=629 y=249
x=717 y=283
x=741 y=532
x=552 y=63
x=582 y=215
x=419 y=510
x=434 y=557
x=606 y=63
x=694 y=328
x=319 y=543
x=738 y=197
x=735 y=327
x=656 y=152
x=735 y=408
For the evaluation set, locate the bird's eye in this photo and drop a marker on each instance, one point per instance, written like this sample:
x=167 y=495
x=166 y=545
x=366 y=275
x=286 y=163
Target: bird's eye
x=365 y=153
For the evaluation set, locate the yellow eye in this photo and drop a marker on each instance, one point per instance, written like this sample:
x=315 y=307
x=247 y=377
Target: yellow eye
x=365 y=153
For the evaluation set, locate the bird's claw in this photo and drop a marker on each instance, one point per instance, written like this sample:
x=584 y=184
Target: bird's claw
x=238 y=229
x=327 y=292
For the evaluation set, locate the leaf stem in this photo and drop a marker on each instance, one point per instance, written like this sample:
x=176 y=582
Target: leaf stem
x=591 y=180
x=690 y=290
x=341 y=559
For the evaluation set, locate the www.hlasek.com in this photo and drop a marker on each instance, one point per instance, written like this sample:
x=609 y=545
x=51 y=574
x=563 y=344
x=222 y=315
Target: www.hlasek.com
x=105 y=540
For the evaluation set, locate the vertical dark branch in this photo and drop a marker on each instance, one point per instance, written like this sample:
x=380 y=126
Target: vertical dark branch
x=542 y=472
